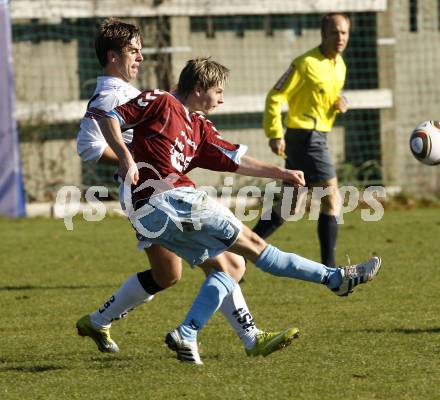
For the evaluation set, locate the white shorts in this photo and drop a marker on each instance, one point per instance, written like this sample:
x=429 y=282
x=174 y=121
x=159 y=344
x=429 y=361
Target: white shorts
x=188 y=222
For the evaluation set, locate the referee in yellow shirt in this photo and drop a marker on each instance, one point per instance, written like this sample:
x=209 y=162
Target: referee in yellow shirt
x=311 y=87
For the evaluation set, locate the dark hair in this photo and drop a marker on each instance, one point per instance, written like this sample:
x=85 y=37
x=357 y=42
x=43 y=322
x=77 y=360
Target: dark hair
x=326 y=18
x=114 y=35
x=203 y=71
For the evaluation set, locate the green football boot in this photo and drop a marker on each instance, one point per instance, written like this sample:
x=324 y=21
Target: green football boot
x=100 y=336
x=268 y=342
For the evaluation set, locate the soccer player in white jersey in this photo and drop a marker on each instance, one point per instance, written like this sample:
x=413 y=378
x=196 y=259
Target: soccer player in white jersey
x=170 y=138
x=118 y=48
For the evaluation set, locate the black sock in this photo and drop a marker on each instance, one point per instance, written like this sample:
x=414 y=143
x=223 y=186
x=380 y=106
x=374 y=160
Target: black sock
x=265 y=228
x=148 y=283
x=328 y=232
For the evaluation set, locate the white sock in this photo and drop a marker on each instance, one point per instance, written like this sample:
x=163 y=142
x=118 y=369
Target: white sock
x=236 y=311
x=127 y=297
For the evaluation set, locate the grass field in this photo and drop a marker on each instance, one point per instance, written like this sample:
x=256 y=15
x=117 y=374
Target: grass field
x=382 y=342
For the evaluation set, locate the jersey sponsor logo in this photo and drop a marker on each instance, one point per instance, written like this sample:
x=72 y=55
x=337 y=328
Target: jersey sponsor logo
x=178 y=159
x=190 y=142
x=284 y=77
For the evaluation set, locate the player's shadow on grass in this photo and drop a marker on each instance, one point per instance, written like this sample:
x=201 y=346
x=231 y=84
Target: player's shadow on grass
x=39 y=368
x=406 y=331
x=67 y=287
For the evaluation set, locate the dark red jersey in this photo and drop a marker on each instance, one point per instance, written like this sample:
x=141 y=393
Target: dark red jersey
x=170 y=142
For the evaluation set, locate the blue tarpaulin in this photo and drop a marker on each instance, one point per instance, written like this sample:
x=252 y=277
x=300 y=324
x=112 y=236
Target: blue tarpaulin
x=12 y=199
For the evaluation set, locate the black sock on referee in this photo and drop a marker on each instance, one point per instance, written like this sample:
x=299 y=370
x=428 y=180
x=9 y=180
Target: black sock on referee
x=265 y=228
x=328 y=232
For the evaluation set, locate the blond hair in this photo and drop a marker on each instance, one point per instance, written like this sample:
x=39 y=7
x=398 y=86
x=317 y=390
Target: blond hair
x=203 y=71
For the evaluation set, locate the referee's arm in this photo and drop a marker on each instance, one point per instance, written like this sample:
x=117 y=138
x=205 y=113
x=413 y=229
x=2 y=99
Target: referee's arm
x=288 y=83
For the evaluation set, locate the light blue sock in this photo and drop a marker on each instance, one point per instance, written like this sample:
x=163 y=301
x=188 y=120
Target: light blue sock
x=215 y=288
x=289 y=265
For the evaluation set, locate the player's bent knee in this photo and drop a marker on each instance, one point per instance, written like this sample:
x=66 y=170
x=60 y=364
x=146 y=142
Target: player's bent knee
x=166 y=277
x=236 y=266
x=233 y=264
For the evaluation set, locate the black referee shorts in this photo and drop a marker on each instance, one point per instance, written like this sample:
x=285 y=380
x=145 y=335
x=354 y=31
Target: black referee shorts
x=307 y=151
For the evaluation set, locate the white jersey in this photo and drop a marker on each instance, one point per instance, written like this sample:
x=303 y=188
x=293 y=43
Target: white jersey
x=110 y=92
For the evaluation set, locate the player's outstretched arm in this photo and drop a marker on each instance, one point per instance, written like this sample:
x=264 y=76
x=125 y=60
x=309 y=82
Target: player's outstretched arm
x=112 y=133
x=251 y=167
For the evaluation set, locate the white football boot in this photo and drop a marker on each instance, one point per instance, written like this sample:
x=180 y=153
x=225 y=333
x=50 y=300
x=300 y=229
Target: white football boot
x=186 y=351
x=354 y=275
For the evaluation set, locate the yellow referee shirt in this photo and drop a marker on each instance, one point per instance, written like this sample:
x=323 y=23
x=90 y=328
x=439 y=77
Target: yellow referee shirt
x=310 y=86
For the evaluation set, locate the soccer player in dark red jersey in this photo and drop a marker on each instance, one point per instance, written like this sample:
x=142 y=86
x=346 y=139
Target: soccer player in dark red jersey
x=118 y=48
x=170 y=138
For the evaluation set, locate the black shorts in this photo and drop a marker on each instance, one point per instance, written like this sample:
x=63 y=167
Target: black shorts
x=308 y=151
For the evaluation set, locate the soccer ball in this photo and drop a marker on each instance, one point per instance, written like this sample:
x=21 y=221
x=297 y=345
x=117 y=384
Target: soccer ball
x=425 y=142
